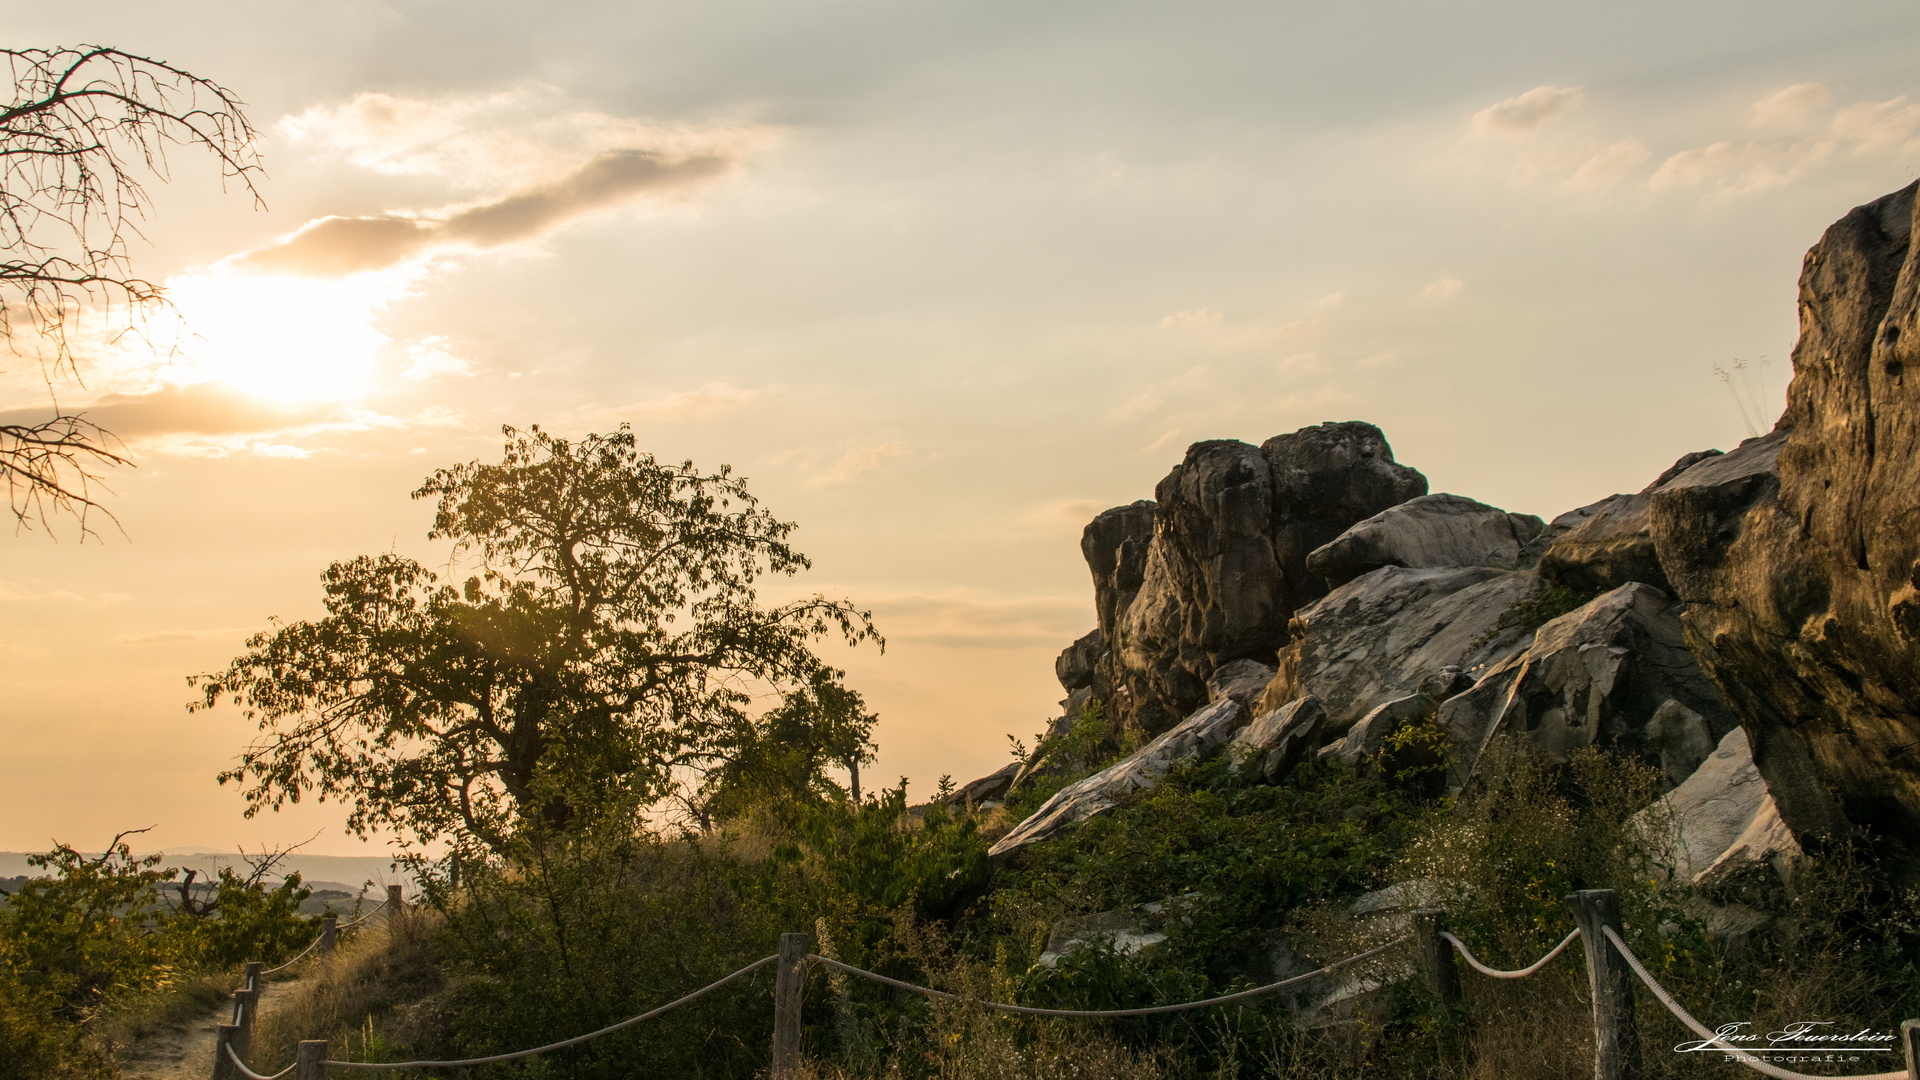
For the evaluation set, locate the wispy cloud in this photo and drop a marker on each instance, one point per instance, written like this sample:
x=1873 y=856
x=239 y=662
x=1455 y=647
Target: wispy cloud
x=14 y=593
x=1445 y=289
x=964 y=619
x=1528 y=112
x=1155 y=394
x=1786 y=134
x=1192 y=320
x=858 y=460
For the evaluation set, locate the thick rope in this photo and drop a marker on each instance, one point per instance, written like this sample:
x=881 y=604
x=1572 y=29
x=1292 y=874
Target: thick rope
x=1150 y=1011
x=296 y=957
x=1744 y=1055
x=576 y=1040
x=371 y=912
x=1483 y=969
x=249 y=1073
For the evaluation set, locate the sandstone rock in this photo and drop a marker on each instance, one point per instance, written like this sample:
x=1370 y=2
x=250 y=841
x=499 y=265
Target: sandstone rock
x=1369 y=733
x=1681 y=737
x=1128 y=932
x=1802 y=583
x=1721 y=820
x=992 y=786
x=1427 y=532
x=1202 y=733
x=1377 y=637
x=1275 y=742
x=1597 y=675
x=1115 y=547
x=1241 y=680
x=1074 y=666
x=1610 y=543
x=1226 y=567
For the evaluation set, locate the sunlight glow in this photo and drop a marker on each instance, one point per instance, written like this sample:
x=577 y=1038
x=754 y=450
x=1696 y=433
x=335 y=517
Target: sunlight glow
x=286 y=340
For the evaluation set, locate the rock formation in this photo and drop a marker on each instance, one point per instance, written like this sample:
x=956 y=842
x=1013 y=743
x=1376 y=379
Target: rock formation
x=1798 y=556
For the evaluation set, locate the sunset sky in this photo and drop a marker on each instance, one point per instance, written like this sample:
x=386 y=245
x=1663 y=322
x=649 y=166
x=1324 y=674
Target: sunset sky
x=942 y=279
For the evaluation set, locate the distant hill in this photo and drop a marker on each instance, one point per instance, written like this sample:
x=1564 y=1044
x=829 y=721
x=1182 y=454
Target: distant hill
x=341 y=873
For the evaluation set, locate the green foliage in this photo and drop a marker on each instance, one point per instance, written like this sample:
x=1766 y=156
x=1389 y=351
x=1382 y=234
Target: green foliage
x=608 y=644
x=873 y=859
x=253 y=923
x=87 y=930
x=781 y=758
x=36 y=1043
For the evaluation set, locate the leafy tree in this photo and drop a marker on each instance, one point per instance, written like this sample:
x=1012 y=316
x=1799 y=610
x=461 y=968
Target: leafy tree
x=83 y=127
x=608 y=645
x=783 y=755
x=86 y=930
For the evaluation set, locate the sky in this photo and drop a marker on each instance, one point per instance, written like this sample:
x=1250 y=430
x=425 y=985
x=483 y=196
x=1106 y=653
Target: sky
x=942 y=279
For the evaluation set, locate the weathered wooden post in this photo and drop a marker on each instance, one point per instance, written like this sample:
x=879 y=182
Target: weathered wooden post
x=329 y=934
x=1910 y=1039
x=1436 y=960
x=788 y=984
x=307 y=1062
x=1616 y=1041
x=223 y=1062
x=254 y=968
x=244 y=1004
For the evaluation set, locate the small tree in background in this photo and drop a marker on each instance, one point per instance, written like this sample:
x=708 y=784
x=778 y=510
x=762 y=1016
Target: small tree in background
x=599 y=657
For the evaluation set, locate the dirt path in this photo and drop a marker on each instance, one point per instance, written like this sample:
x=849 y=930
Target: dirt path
x=186 y=1053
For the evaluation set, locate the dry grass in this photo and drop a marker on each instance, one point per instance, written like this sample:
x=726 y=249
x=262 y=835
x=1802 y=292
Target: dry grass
x=372 y=1000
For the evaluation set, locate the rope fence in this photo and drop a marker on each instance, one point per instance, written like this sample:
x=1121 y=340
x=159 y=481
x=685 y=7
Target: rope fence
x=1609 y=962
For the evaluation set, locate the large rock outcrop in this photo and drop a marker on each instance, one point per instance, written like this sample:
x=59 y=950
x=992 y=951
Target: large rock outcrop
x=1197 y=736
x=1609 y=543
x=1615 y=673
x=1226 y=566
x=1429 y=532
x=1801 y=571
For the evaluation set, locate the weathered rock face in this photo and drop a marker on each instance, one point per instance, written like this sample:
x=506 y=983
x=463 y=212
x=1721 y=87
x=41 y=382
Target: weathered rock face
x=1196 y=736
x=1074 y=666
x=1274 y=742
x=1428 y=532
x=1802 y=583
x=1721 y=821
x=1325 y=479
x=1597 y=675
x=1377 y=637
x=1226 y=566
x=1241 y=680
x=1609 y=543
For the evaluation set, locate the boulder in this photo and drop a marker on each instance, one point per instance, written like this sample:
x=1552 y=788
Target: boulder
x=1610 y=543
x=1596 y=675
x=1200 y=734
x=1369 y=733
x=1128 y=932
x=1075 y=664
x=1276 y=741
x=1721 y=821
x=1427 y=532
x=992 y=786
x=1241 y=680
x=1226 y=567
x=1378 y=636
x=1802 y=580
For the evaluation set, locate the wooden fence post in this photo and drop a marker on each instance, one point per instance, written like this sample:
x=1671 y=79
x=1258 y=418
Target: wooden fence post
x=222 y=1064
x=306 y=1065
x=1616 y=1041
x=244 y=1003
x=1910 y=1039
x=254 y=968
x=788 y=984
x=1436 y=959
x=329 y=934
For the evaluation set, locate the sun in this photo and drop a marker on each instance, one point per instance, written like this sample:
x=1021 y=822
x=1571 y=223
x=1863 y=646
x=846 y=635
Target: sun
x=283 y=339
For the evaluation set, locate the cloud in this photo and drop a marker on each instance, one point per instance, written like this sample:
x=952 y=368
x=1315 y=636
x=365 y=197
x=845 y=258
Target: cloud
x=11 y=593
x=336 y=246
x=201 y=409
x=1058 y=515
x=1616 y=165
x=710 y=399
x=513 y=138
x=858 y=460
x=184 y=637
x=1151 y=398
x=431 y=359
x=1192 y=320
x=1529 y=112
x=1795 y=108
x=962 y=620
x=1445 y=289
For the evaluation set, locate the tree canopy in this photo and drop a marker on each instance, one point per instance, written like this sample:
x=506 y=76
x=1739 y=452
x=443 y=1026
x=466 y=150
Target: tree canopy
x=600 y=656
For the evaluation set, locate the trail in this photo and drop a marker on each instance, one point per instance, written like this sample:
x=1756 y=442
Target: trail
x=186 y=1053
